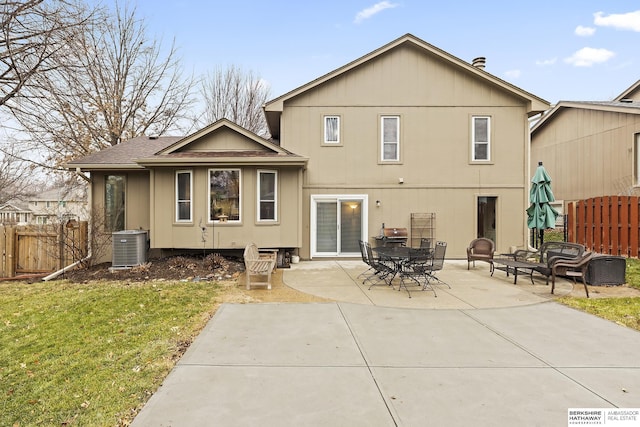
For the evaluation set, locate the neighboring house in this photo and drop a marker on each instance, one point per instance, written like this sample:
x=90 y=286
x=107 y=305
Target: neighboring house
x=57 y=205
x=48 y=207
x=407 y=128
x=591 y=148
x=14 y=213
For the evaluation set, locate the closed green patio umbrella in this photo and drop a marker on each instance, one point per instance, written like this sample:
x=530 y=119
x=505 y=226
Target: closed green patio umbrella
x=540 y=214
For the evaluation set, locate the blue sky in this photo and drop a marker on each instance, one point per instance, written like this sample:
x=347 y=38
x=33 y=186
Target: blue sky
x=558 y=50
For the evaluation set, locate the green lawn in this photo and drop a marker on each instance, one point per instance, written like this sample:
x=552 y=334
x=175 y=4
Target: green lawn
x=624 y=311
x=92 y=354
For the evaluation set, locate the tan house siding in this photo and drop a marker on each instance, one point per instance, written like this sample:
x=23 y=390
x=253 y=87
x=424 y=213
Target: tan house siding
x=222 y=140
x=435 y=103
x=136 y=198
x=455 y=210
x=285 y=232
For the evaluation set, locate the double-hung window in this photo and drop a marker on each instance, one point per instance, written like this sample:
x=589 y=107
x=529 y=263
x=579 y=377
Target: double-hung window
x=332 y=129
x=184 y=196
x=267 y=195
x=224 y=195
x=390 y=138
x=481 y=138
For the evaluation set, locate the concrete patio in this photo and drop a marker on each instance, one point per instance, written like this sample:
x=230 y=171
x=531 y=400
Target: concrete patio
x=470 y=289
x=484 y=353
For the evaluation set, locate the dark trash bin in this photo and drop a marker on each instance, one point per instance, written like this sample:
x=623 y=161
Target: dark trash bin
x=606 y=270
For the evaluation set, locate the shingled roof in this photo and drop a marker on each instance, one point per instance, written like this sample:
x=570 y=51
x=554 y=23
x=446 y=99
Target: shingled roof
x=143 y=152
x=123 y=155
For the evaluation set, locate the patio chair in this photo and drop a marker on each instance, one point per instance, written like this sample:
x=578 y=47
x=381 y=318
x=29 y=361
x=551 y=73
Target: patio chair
x=258 y=266
x=382 y=270
x=480 y=249
x=425 y=243
x=572 y=268
x=365 y=258
x=437 y=263
x=414 y=269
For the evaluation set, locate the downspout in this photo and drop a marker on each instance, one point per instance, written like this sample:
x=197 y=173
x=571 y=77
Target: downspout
x=65 y=269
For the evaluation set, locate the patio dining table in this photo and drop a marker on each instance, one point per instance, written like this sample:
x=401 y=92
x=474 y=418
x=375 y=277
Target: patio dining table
x=399 y=255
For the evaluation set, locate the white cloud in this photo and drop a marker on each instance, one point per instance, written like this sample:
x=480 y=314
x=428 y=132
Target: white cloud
x=584 y=31
x=545 y=62
x=619 y=21
x=512 y=74
x=587 y=56
x=370 y=11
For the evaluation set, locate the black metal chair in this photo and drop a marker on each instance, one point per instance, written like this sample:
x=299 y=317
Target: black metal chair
x=369 y=271
x=414 y=269
x=381 y=270
x=425 y=243
x=437 y=264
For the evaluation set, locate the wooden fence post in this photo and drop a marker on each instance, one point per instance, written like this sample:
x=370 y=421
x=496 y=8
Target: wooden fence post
x=623 y=242
x=634 y=226
x=3 y=258
x=571 y=221
x=597 y=224
x=10 y=251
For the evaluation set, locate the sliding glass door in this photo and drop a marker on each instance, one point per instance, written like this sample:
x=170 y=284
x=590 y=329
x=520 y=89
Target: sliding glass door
x=337 y=224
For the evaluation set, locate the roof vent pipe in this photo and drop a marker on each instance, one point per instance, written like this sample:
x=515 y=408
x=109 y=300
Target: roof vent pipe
x=479 y=62
x=626 y=100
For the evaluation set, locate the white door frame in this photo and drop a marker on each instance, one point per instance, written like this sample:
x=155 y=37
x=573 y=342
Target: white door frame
x=315 y=198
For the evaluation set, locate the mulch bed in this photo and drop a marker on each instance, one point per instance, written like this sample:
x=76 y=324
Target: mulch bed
x=213 y=267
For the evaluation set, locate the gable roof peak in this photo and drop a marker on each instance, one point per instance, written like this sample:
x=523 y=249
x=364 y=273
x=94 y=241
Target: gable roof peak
x=274 y=107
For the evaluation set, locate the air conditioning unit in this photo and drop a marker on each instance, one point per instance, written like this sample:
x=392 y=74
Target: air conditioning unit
x=129 y=248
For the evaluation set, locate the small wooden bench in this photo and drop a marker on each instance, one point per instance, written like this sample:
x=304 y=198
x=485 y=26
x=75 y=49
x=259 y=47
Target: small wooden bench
x=259 y=266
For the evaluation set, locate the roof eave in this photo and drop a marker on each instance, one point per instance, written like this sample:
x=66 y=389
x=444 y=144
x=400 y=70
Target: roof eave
x=102 y=166
x=583 y=106
x=246 y=161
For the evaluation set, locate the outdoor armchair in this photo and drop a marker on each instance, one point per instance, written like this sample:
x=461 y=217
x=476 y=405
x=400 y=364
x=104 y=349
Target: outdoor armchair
x=573 y=268
x=480 y=249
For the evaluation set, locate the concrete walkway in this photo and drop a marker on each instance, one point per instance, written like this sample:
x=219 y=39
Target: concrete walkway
x=492 y=353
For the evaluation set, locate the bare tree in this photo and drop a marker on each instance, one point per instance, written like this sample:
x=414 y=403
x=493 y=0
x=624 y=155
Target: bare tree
x=16 y=181
x=32 y=34
x=238 y=96
x=114 y=84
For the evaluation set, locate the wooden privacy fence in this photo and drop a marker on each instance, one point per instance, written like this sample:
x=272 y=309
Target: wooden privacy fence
x=41 y=249
x=607 y=225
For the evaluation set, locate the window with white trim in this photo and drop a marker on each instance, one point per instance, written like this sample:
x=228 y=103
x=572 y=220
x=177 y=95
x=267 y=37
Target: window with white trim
x=224 y=195
x=332 y=129
x=184 y=196
x=267 y=195
x=390 y=138
x=480 y=138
